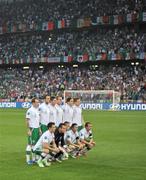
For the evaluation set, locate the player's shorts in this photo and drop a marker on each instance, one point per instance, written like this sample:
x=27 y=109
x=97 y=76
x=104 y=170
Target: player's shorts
x=79 y=128
x=38 y=151
x=35 y=135
x=44 y=128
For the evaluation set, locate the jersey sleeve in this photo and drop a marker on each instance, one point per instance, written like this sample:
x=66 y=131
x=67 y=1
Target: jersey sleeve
x=63 y=108
x=40 y=109
x=28 y=114
x=68 y=136
x=81 y=135
x=77 y=136
x=91 y=135
x=45 y=139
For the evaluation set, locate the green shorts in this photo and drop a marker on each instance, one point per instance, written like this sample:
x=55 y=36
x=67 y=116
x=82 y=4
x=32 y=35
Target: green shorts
x=34 y=136
x=44 y=128
x=38 y=151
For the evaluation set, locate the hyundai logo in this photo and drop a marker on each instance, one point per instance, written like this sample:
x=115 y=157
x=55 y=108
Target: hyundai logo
x=26 y=105
x=115 y=106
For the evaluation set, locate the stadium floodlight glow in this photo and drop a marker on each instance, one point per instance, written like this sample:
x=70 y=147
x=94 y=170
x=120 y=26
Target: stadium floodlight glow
x=137 y=63
x=75 y=65
x=26 y=67
x=41 y=67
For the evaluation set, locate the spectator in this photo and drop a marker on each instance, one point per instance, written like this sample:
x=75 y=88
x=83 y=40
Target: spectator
x=18 y=84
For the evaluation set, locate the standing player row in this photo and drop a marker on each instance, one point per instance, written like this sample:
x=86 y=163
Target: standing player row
x=51 y=110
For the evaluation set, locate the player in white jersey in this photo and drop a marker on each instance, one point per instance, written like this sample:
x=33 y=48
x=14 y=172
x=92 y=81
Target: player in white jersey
x=73 y=141
x=33 y=128
x=45 y=145
x=59 y=110
x=86 y=136
x=68 y=111
x=44 y=114
x=52 y=109
x=77 y=114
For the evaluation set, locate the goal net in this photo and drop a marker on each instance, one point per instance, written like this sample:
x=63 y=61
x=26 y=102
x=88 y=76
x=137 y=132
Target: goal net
x=98 y=99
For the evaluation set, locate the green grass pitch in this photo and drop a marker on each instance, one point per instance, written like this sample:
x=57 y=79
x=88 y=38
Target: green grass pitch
x=120 y=153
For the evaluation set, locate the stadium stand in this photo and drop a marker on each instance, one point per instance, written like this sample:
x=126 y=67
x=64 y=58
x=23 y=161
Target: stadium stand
x=23 y=42
x=18 y=84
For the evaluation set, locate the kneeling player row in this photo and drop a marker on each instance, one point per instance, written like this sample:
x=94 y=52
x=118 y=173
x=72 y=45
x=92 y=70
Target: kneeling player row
x=58 y=144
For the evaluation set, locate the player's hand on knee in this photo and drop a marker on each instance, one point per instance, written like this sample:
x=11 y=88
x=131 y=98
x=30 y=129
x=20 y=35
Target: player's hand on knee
x=81 y=146
x=90 y=145
x=93 y=143
x=57 y=150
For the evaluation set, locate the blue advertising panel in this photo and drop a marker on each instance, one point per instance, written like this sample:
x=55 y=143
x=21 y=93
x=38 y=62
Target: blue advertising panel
x=90 y=106
x=15 y=104
x=121 y=106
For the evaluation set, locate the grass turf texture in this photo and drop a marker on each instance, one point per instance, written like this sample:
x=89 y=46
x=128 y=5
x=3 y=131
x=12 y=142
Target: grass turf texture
x=120 y=153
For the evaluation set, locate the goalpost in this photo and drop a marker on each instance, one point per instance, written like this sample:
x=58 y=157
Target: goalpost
x=96 y=99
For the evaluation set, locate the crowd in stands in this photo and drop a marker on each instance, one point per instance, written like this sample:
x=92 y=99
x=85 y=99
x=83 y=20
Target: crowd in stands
x=18 y=84
x=130 y=81
x=119 y=40
x=46 y=10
